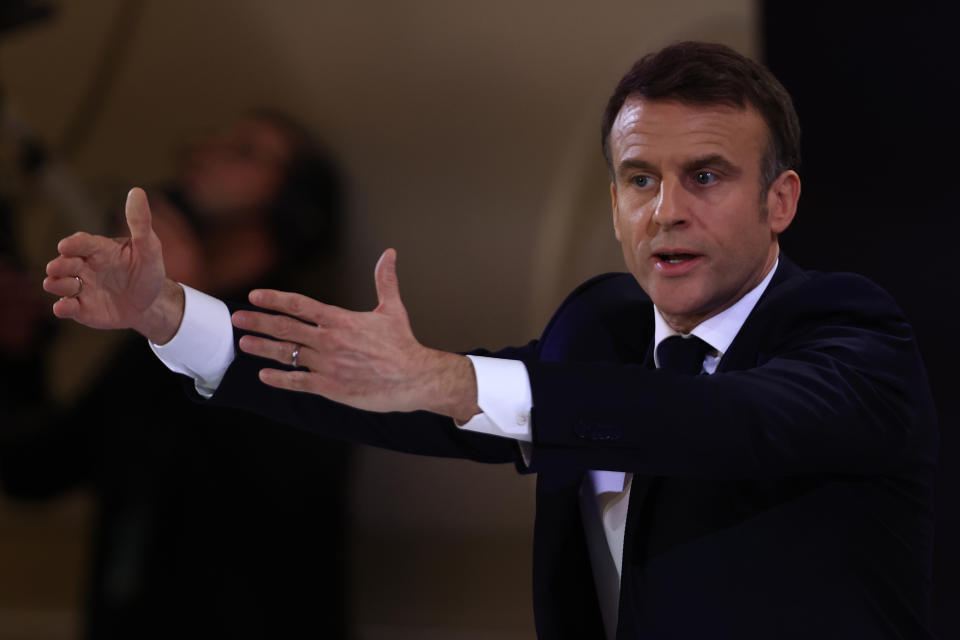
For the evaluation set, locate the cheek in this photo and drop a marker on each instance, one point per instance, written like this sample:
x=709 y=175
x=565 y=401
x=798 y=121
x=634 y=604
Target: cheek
x=632 y=225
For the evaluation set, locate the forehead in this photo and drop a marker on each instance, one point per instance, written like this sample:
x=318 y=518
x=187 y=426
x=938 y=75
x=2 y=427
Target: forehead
x=263 y=134
x=663 y=131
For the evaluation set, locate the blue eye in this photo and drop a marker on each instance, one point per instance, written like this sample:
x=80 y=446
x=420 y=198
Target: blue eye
x=642 y=181
x=705 y=177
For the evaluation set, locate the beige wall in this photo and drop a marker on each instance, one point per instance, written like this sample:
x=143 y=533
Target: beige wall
x=468 y=131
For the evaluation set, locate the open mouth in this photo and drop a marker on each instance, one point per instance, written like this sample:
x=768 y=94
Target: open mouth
x=675 y=258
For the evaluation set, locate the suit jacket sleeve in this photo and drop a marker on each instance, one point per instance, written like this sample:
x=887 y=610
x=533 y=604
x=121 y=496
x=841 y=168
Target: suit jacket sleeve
x=825 y=376
x=417 y=432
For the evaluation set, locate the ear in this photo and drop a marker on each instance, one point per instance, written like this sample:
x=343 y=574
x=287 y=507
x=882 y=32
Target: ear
x=613 y=202
x=782 y=200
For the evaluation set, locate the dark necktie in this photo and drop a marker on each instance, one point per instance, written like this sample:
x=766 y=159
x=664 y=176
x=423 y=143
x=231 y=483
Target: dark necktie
x=683 y=355
x=670 y=500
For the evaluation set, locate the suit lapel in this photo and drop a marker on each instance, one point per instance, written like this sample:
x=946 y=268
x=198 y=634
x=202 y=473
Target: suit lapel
x=744 y=351
x=633 y=537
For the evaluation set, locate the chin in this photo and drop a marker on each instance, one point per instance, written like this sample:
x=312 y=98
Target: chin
x=676 y=298
x=672 y=307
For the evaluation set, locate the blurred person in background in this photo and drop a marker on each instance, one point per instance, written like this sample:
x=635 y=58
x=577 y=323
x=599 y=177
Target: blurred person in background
x=208 y=522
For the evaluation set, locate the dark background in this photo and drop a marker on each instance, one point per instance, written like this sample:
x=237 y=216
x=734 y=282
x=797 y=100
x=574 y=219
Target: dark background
x=876 y=93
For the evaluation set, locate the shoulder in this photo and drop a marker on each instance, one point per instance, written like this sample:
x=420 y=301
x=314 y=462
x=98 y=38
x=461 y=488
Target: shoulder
x=609 y=293
x=606 y=315
x=606 y=290
x=803 y=294
x=844 y=315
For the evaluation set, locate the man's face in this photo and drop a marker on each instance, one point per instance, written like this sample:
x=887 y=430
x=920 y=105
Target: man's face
x=687 y=207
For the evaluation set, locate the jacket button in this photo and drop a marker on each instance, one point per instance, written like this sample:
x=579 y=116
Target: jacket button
x=582 y=430
x=605 y=432
x=597 y=431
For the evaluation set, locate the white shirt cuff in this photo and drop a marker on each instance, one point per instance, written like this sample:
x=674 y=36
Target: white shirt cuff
x=504 y=397
x=202 y=348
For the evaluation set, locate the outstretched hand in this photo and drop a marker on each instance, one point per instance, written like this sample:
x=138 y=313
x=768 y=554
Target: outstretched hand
x=117 y=283
x=369 y=360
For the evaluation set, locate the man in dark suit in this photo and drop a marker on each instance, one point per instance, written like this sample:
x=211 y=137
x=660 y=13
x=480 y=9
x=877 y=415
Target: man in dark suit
x=727 y=446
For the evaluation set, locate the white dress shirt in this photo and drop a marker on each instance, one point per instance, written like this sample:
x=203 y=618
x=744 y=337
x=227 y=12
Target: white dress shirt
x=203 y=349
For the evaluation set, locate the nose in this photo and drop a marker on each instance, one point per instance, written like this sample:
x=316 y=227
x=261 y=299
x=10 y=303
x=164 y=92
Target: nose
x=671 y=209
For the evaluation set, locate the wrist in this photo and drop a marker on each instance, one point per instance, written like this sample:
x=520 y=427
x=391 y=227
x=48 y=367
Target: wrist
x=162 y=319
x=452 y=386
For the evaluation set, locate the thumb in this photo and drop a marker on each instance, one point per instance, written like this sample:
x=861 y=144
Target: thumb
x=138 y=214
x=388 y=285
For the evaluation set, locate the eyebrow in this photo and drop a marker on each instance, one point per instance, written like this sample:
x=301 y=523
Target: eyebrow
x=635 y=163
x=713 y=160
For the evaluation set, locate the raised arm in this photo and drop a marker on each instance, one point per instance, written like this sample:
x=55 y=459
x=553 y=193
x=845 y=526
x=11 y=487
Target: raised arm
x=117 y=283
x=366 y=360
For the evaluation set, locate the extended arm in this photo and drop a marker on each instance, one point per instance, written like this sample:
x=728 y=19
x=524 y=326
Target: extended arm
x=366 y=360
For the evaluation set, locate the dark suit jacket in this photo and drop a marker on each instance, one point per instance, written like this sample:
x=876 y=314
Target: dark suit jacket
x=789 y=495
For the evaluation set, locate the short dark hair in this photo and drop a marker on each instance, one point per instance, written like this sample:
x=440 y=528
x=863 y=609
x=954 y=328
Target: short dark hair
x=701 y=73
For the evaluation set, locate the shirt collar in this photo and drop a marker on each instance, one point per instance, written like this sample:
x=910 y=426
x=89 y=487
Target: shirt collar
x=717 y=331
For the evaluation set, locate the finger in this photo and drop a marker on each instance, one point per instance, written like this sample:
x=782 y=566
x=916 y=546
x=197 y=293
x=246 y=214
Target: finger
x=278 y=350
x=297 y=305
x=81 y=244
x=65 y=287
x=288 y=380
x=66 y=307
x=63 y=267
x=138 y=214
x=279 y=327
x=388 y=285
